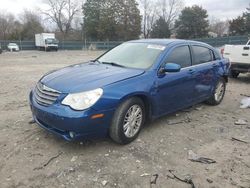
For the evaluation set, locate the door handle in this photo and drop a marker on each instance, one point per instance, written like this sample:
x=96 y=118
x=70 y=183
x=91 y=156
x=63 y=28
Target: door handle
x=215 y=65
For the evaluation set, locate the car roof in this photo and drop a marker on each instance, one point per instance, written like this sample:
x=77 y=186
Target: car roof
x=167 y=42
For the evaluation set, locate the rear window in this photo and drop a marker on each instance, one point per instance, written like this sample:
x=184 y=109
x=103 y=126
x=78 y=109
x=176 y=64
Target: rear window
x=180 y=55
x=202 y=55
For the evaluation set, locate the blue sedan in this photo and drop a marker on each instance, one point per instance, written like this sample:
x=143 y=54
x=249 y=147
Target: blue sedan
x=135 y=82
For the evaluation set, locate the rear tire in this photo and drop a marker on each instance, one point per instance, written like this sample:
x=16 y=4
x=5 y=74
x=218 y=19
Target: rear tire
x=127 y=121
x=234 y=74
x=218 y=93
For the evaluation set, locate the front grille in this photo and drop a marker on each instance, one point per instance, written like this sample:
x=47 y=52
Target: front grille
x=44 y=95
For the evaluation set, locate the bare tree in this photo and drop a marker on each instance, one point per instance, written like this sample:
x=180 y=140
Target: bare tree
x=149 y=16
x=170 y=9
x=6 y=24
x=219 y=27
x=31 y=24
x=153 y=10
x=62 y=13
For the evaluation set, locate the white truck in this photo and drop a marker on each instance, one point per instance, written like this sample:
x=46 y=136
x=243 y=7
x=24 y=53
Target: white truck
x=239 y=56
x=46 y=41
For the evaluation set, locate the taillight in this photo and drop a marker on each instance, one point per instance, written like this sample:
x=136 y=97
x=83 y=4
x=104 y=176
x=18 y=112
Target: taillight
x=222 y=51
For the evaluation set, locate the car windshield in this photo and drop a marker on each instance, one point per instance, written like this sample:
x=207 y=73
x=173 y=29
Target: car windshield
x=133 y=55
x=12 y=44
x=51 y=41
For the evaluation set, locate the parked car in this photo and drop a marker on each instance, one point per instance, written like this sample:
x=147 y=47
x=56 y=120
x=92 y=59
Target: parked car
x=135 y=82
x=1 y=51
x=239 y=56
x=13 y=47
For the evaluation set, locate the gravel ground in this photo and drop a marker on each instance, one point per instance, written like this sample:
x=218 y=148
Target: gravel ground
x=32 y=157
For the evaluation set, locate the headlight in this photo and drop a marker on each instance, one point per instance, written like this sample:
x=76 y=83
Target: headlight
x=84 y=100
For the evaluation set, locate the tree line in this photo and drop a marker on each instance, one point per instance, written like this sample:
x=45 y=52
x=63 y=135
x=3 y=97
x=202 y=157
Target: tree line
x=97 y=20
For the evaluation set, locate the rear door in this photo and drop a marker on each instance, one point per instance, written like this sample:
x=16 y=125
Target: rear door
x=205 y=68
x=175 y=90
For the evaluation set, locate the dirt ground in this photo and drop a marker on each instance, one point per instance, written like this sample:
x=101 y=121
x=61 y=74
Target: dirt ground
x=32 y=157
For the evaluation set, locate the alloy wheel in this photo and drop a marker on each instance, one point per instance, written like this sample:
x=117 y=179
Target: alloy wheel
x=132 y=121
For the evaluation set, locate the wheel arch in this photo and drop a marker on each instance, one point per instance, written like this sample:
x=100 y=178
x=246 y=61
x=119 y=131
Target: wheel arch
x=145 y=99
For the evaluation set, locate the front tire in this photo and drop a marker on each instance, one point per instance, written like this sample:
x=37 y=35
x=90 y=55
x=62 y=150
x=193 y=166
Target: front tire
x=218 y=93
x=127 y=121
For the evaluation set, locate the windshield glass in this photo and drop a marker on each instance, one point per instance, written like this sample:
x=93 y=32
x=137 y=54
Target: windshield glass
x=133 y=55
x=51 y=41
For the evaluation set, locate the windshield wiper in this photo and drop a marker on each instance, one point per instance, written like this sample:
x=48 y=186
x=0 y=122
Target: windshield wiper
x=95 y=61
x=113 y=64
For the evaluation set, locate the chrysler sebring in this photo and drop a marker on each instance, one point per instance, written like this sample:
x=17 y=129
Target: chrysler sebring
x=137 y=81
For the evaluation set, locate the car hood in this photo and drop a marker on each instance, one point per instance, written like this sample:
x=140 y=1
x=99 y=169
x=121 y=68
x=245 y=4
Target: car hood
x=87 y=76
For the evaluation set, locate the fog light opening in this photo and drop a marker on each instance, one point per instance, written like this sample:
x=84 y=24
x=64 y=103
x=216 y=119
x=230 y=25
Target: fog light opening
x=72 y=134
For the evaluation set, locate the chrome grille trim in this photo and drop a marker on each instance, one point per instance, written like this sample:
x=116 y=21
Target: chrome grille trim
x=44 y=95
x=47 y=92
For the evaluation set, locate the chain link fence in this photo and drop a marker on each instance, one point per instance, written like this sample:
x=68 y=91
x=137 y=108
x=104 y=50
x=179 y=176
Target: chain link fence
x=106 y=45
x=221 y=41
x=65 y=45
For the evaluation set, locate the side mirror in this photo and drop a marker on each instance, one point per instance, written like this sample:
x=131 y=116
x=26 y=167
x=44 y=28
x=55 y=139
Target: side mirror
x=172 y=67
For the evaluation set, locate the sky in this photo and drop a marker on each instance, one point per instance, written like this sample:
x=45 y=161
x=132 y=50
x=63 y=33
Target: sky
x=17 y=6
x=220 y=9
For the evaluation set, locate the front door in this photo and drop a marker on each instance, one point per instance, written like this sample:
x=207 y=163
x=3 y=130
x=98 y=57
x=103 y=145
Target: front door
x=175 y=90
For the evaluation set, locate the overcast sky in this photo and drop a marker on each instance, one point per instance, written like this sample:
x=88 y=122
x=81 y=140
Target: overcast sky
x=221 y=9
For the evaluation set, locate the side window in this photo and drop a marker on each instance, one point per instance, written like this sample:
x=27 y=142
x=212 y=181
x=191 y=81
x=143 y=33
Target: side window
x=180 y=55
x=201 y=55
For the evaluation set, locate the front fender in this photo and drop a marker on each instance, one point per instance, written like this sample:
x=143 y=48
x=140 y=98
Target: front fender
x=115 y=94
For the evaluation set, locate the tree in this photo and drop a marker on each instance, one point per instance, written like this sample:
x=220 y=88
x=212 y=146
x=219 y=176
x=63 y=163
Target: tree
x=108 y=23
x=62 y=13
x=6 y=25
x=170 y=9
x=111 y=19
x=160 y=29
x=16 y=31
x=192 y=23
x=219 y=27
x=91 y=12
x=241 y=24
x=237 y=26
x=31 y=24
x=149 y=15
x=129 y=25
x=247 y=18
x=154 y=10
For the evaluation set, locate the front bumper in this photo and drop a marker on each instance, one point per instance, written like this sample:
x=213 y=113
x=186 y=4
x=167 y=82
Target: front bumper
x=52 y=47
x=65 y=122
x=13 y=49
